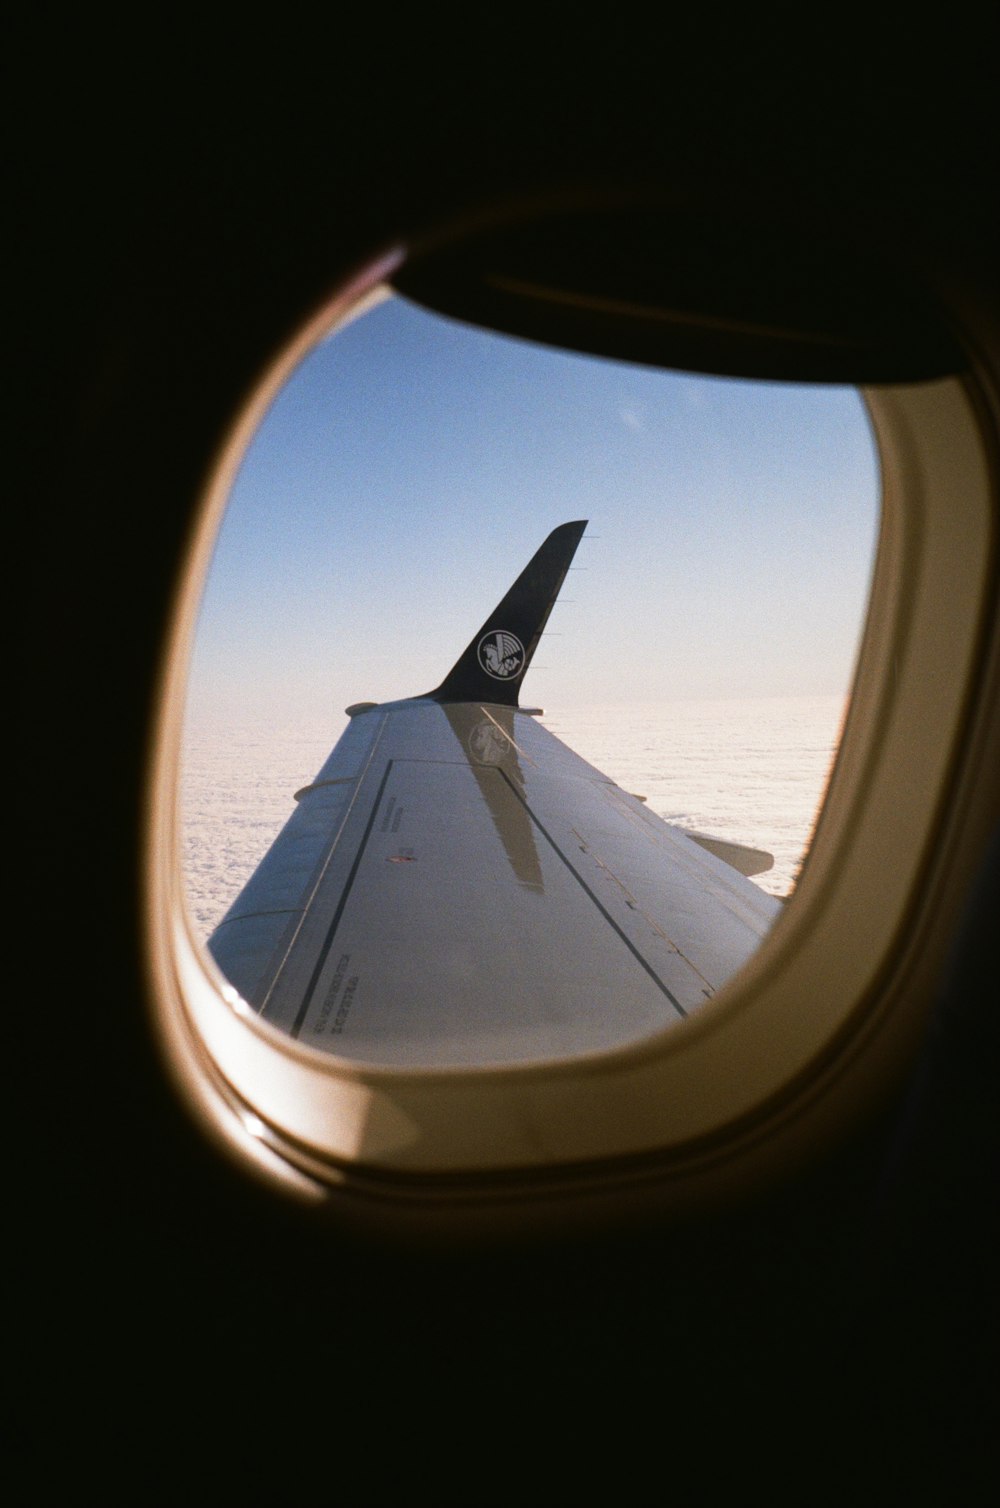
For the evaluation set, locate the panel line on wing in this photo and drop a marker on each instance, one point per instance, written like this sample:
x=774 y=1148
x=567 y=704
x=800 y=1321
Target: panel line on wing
x=723 y=885
x=509 y=737
x=646 y=965
x=328 y=941
x=633 y=904
x=289 y=940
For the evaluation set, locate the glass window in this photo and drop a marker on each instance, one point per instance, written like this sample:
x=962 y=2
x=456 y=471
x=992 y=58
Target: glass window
x=700 y=653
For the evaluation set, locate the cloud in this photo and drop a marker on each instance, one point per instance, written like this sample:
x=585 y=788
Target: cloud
x=633 y=416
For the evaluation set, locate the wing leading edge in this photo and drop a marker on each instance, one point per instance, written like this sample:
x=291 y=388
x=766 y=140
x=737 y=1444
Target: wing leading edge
x=457 y=886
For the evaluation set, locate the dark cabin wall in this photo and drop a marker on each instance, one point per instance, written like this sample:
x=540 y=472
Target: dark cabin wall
x=183 y=1336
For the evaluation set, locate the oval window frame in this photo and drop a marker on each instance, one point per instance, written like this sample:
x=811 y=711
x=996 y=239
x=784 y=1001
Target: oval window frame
x=783 y=1060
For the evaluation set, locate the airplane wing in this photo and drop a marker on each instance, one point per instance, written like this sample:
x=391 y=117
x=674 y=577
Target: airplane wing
x=457 y=886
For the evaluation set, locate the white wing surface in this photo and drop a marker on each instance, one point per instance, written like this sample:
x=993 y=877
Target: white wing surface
x=458 y=887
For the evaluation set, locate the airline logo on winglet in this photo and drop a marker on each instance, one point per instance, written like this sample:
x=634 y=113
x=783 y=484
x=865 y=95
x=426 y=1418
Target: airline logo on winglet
x=501 y=654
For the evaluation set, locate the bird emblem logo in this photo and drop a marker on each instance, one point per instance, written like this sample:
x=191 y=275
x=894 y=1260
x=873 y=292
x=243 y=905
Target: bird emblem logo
x=501 y=654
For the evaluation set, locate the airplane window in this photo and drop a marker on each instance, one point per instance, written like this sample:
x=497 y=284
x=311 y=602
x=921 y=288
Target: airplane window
x=465 y=879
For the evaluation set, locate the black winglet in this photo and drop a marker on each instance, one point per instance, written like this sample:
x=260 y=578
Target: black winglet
x=494 y=664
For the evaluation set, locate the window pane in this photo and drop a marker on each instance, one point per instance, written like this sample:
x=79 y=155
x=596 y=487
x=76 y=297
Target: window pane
x=701 y=650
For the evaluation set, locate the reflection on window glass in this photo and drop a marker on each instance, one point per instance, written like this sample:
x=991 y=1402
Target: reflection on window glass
x=699 y=654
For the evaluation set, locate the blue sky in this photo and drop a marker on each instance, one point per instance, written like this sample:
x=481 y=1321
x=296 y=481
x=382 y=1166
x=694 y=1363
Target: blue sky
x=412 y=465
